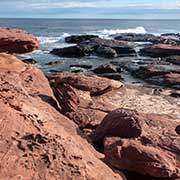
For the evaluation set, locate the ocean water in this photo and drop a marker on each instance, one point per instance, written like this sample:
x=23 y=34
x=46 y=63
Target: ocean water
x=51 y=34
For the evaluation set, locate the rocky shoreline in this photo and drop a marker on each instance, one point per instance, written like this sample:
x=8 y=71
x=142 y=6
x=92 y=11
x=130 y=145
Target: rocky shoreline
x=85 y=126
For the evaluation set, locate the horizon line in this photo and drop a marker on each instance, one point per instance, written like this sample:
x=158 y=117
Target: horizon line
x=90 y=18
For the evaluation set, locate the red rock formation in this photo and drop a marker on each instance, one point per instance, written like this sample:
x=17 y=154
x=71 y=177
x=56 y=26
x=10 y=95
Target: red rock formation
x=17 y=41
x=74 y=93
x=160 y=50
x=36 y=141
x=144 y=143
x=92 y=83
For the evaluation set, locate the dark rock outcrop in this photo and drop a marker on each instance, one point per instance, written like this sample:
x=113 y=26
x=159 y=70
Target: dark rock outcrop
x=131 y=37
x=72 y=51
x=15 y=41
x=79 y=38
x=96 y=46
x=159 y=75
x=160 y=50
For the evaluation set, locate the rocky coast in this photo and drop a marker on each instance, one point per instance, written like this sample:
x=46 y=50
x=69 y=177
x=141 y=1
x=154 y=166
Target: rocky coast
x=91 y=126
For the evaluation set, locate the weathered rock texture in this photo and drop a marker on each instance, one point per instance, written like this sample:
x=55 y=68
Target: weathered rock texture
x=17 y=41
x=76 y=94
x=144 y=143
x=36 y=141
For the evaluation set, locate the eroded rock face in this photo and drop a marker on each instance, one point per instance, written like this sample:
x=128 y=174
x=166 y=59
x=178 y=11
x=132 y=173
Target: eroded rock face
x=37 y=142
x=160 y=50
x=144 y=143
x=17 y=41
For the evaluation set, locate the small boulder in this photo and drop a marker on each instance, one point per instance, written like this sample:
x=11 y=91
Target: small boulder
x=106 y=68
x=106 y=52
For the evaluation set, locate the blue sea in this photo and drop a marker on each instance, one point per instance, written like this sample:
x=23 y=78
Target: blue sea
x=51 y=34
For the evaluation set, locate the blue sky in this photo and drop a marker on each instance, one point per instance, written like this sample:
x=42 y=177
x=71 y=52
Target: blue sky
x=120 y=9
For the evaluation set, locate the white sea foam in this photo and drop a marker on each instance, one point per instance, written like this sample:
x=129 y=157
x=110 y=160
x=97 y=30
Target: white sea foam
x=50 y=40
x=108 y=33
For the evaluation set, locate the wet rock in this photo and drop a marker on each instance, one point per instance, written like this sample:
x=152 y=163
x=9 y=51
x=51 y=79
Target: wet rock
x=106 y=52
x=37 y=141
x=144 y=143
x=136 y=37
x=72 y=51
x=120 y=47
x=17 y=41
x=173 y=59
x=79 y=38
x=29 y=61
x=160 y=50
x=96 y=46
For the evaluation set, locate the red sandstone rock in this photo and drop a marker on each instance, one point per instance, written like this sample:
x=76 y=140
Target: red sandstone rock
x=144 y=143
x=36 y=141
x=17 y=41
x=92 y=83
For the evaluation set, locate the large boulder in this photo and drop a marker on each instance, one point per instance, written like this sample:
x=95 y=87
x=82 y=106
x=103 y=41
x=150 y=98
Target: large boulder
x=79 y=38
x=92 y=83
x=17 y=41
x=36 y=141
x=160 y=50
x=144 y=143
